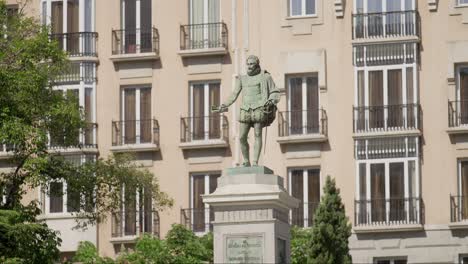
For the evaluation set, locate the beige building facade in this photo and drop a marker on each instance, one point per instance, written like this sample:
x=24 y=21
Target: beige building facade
x=374 y=94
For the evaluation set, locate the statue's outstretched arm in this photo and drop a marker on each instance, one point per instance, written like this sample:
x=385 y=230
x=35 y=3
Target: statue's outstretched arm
x=231 y=99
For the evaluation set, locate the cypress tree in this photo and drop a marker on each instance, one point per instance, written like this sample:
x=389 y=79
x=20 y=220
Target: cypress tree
x=331 y=229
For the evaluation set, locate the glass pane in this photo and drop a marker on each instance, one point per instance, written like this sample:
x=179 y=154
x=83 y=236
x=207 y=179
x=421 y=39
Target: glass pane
x=56 y=197
x=145 y=115
x=377 y=178
x=198 y=111
x=374 y=6
x=130 y=210
x=397 y=192
x=57 y=18
x=214 y=182
x=296 y=7
x=310 y=7
x=313 y=193
x=313 y=124
x=297 y=191
x=395 y=98
x=295 y=101
x=130 y=116
x=198 y=207
x=362 y=181
x=73 y=200
x=215 y=119
x=463 y=1
x=359 y=6
x=393 y=5
x=463 y=86
x=88 y=9
x=376 y=100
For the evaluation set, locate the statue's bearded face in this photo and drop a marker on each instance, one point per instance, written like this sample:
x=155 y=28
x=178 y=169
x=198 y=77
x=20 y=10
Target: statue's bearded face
x=253 y=68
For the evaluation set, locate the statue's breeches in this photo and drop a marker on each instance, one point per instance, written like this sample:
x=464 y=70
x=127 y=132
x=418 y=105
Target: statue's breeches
x=259 y=115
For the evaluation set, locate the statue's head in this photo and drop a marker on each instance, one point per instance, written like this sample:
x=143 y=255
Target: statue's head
x=253 y=65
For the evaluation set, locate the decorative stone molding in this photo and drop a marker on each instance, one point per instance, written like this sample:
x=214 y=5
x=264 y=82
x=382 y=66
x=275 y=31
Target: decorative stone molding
x=301 y=25
x=339 y=8
x=432 y=5
x=311 y=61
x=456 y=54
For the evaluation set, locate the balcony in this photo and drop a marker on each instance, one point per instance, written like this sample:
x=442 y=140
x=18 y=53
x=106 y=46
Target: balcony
x=202 y=132
x=457 y=117
x=78 y=44
x=386 y=25
x=77 y=72
x=302 y=126
x=388 y=120
x=458 y=212
x=303 y=216
x=387 y=215
x=197 y=220
x=135 y=135
x=203 y=39
x=83 y=141
x=135 y=44
x=127 y=226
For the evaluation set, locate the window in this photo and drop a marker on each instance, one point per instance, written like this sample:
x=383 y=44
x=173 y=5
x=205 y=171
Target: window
x=136 y=115
x=464 y=259
x=304 y=185
x=62 y=198
x=84 y=96
x=204 y=124
x=302 y=8
x=462 y=2
x=388 y=191
x=200 y=213
x=72 y=25
x=462 y=94
x=303 y=105
x=391 y=261
x=462 y=190
x=205 y=29
x=386 y=98
x=137 y=214
x=136 y=25
x=381 y=6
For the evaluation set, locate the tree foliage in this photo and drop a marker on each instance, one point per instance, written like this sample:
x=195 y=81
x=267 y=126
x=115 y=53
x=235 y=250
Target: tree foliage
x=32 y=111
x=181 y=246
x=331 y=229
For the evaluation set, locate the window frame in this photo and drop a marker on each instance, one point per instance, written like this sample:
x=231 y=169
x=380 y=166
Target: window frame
x=384 y=6
x=391 y=260
x=206 y=107
x=303 y=10
x=46 y=18
x=304 y=107
x=460 y=4
x=305 y=186
x=406 y=183
x=138 y=125
x=207 y=176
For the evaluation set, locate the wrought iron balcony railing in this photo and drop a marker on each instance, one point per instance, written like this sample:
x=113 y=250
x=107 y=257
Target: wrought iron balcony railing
x=132 y=132
x=203 y=36
x=457 y=113
x=303 y=216
x=307 y=122
x=77 y=72
x=197 y=219
x=77 y=44
x=386 y=118
x=135 y=41
x=83 y=138
x=134 y=223
x=458 y=208
x=392 y=211
x=386 y=24
x=199 y=128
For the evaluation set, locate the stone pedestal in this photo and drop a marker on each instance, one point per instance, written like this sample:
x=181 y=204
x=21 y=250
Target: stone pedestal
x=251 y=208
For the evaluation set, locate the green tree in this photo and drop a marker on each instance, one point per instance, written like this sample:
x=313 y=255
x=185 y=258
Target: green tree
x=180 y=246
x=300 y=238
x=31 y=111
x=331 y=229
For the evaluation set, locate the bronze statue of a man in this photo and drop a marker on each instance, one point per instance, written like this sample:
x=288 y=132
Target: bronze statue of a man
x=258 y=107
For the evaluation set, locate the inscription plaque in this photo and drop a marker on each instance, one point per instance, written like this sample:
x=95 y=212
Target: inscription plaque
x=244 y=249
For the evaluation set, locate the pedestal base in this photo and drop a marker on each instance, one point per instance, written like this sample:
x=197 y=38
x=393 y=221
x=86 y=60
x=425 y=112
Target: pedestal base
x=251 y=210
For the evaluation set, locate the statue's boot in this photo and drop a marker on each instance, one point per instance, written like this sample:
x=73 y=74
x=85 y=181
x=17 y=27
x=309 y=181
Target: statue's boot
x=246 y=164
